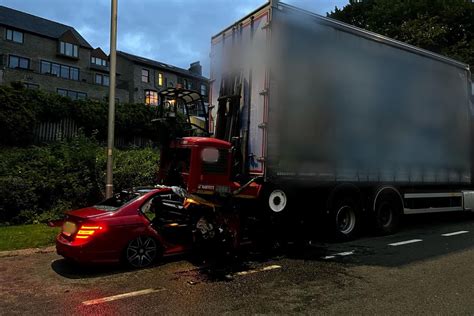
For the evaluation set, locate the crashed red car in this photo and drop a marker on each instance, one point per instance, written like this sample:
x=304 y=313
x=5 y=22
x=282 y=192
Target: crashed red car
x=135 y=226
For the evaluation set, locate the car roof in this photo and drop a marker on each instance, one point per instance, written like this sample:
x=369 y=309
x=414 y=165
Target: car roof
x=205 y=141
x=145 y=190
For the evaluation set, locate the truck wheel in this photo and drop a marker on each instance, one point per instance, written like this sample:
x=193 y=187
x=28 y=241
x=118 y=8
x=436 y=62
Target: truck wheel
x=345 y=218
x=274 y=215
x=276 y=206
x=277 y=201
x=388 y=211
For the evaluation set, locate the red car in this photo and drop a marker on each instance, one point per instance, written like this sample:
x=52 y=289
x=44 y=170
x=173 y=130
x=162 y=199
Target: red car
x=136 y=226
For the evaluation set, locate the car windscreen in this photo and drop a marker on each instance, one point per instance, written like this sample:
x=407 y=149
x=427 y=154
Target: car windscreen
x=119 y=200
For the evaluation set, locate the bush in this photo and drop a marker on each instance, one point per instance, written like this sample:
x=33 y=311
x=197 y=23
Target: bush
x=22 y=109
x=40 y=183
x=133 y=167
x=17 y=117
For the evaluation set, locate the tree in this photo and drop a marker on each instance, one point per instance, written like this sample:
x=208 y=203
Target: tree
x=442 y=26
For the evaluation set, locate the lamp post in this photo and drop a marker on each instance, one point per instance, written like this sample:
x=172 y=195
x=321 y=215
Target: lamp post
x=109 y=187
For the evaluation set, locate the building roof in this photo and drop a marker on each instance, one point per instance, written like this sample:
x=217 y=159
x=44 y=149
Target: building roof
x=36 y=25
x=98 y=52
x=160 y=65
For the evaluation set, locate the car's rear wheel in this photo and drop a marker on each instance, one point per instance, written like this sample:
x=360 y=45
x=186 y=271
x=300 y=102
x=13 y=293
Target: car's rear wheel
x=141 y=252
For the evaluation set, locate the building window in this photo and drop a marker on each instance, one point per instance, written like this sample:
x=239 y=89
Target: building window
x=159 y=79
x=74 y=95
x=18 y=62
x=145 y=75
x=98 y=61
x=14 y=36
x=101 y=79
x=74 y=73
x=63 y=71
x=151 y=97
x=68 y=49
x=203 y=89
x=188 y=84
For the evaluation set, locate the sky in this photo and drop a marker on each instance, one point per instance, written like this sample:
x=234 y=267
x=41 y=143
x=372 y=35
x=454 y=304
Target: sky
x=177 y=32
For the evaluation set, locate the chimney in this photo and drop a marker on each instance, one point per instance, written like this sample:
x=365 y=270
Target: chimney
x=196 y=68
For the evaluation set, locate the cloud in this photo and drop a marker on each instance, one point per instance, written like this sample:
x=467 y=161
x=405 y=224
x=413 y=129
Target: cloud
x=177 y=32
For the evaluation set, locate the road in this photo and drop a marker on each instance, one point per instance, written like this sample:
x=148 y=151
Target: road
x=424 y=269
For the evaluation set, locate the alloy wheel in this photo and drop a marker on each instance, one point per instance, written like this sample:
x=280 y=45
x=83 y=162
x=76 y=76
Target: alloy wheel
x=141 y=252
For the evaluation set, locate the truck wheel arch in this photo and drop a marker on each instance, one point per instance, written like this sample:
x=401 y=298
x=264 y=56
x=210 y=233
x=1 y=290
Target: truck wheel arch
x=384 y=189
x=343 y=190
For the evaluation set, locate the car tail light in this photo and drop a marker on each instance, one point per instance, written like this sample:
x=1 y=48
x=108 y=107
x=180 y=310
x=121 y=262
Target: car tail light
x=88 y=230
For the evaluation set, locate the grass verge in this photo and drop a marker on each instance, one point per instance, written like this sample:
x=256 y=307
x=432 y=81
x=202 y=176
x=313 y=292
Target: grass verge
x=27 y=236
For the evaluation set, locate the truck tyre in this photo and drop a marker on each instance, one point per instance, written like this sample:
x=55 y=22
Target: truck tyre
x=275 y=204
x=345 y=219
x=387 y=213
x=277 y=201
x=274 y=207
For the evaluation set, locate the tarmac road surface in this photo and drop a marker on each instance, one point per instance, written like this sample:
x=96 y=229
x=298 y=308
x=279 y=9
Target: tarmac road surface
x=426 y=268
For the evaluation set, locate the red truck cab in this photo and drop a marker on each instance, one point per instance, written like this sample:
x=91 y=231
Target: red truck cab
x=199 y=163
x=202 y=165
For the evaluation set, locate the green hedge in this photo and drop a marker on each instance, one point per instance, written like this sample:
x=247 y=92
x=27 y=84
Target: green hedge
x=40 y=183
x=21 y=109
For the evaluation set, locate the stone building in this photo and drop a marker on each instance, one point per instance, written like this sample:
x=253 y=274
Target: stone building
x=47 y=55
x=43 y=54
x=146 y=77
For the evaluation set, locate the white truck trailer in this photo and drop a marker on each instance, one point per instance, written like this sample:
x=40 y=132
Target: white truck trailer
x=341 y=122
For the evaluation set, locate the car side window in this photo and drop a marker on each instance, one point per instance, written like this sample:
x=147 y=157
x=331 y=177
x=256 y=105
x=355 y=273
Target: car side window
x=161 y=202
x=147 y=211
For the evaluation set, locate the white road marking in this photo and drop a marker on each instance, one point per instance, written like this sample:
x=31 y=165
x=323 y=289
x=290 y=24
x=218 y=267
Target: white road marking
x=267 y=268
x=411 y=241
x=455 y=233
x=121 y=296
x=329 y=257
x=340 y=254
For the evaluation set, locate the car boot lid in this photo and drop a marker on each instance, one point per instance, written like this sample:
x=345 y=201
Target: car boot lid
x=88 y=212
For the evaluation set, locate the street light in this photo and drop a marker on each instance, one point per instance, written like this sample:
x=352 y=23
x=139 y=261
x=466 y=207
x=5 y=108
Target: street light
x=109 y=187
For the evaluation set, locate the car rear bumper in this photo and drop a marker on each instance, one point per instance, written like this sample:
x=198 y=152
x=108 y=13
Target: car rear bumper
x=86 y=253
